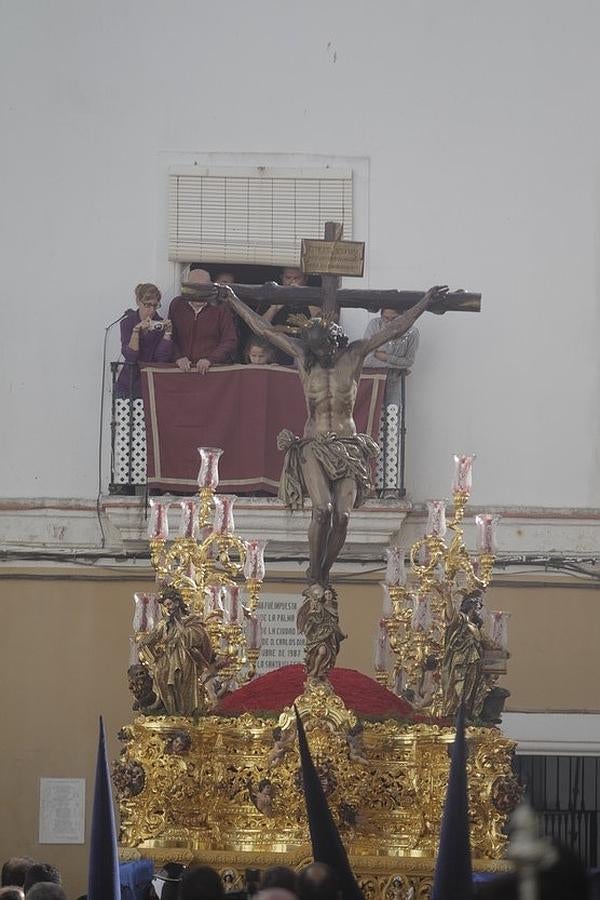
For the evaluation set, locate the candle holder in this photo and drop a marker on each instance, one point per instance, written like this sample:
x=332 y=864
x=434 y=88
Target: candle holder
x=209 y=564
x=418 y=611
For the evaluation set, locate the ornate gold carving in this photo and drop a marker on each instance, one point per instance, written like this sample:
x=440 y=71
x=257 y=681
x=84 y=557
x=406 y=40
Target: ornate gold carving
x=235 y=786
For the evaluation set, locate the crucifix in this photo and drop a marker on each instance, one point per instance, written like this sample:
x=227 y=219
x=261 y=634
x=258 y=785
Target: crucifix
x=330 y=462
x=330 y=297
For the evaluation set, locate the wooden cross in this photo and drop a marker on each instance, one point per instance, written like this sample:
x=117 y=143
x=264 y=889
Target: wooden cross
x=330 y=297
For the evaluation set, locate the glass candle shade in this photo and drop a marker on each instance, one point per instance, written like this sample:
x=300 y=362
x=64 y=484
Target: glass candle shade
x=254 y=564
x=436 y=521
x=208 y=476
x=188 y=523
x=232 y=604
x=423 y=555
x=388 y=606
x=158 y=524
x=381 y=649
x=253 y=633
x=213 y=601
x=498 y=627
x=486 y=532
x=463 y=474
x=223 y=521
x=395 y=573
x=421 y=617
x=146 y=612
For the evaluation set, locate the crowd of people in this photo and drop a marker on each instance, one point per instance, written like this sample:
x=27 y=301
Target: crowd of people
x=315 y=882
x=196 y=335
x=23 y=877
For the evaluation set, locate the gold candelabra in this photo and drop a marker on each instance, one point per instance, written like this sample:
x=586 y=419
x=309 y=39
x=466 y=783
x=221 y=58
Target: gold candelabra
x=415 y=612
x=210 y=566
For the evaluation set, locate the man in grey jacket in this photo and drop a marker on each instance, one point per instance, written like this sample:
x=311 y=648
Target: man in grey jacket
x=396 y=356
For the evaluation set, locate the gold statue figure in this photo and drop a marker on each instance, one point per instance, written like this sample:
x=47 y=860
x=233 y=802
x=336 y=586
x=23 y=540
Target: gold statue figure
x=463 y=676
x=318 y=621
x=176 y=652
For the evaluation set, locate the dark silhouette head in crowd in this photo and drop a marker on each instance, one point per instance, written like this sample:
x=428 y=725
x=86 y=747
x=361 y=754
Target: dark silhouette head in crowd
x=225 y=277
x=279 y=877
x=40 y=872
x=14 y=869
x=46 y=890
x=201 y=883
x=293 y=276
x=169 y=876
x=11 y=893
x=318 y=882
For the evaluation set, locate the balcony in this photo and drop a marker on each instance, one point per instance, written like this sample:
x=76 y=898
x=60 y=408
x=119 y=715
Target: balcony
x=257 y=511
x=129 y=439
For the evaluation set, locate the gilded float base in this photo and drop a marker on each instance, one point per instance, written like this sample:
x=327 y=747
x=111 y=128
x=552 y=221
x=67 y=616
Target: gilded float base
x=228 y=791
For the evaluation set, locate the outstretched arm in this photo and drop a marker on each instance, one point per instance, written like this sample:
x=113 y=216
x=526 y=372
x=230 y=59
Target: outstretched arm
x=259 y=325
x=401 y=324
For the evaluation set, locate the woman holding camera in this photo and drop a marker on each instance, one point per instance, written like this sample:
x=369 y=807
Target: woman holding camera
x=145 y=337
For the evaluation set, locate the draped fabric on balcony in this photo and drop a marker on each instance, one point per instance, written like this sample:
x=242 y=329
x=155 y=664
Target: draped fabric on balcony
x=238 y=408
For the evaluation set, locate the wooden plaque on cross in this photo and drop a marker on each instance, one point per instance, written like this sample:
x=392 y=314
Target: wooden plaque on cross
x=330 y=297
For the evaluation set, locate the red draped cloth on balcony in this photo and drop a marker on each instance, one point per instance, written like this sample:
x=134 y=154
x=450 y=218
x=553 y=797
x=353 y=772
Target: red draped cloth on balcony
x=241 y=409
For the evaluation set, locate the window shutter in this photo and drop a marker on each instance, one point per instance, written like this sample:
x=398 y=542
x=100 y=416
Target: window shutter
x=254 y=216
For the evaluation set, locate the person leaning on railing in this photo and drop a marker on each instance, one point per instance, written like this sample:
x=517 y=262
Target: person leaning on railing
x=145 y=337
x=396 y=356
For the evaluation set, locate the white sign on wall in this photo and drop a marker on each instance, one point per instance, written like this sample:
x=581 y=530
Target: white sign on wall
x=62 y=811
x=281 y=645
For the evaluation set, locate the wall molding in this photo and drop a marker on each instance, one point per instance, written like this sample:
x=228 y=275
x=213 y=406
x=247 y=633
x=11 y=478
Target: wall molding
x=551 y=733
x=117 y=525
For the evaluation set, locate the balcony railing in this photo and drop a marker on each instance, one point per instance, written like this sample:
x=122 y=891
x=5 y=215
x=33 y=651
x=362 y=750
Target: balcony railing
x=128 y=442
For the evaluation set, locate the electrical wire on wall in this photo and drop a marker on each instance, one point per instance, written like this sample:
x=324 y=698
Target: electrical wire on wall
x=585 y=569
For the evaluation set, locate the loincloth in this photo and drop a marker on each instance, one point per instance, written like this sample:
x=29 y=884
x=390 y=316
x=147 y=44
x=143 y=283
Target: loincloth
x=339 y=457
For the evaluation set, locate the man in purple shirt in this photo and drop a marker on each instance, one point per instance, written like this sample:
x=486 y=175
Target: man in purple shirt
x=204 y=335
x=145 y=337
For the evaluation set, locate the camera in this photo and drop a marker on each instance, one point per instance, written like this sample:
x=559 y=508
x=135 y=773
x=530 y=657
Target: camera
x=154 y=325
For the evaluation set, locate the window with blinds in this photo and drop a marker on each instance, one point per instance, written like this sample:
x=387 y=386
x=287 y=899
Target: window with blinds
x=255 y=216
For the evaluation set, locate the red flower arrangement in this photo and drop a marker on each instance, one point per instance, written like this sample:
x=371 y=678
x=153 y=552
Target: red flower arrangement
x=270 y=693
